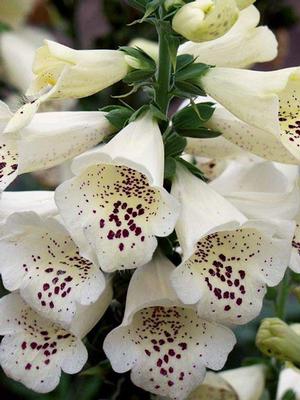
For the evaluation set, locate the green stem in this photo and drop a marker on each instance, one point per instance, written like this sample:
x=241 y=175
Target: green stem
x=282 y=295
x=164 y=69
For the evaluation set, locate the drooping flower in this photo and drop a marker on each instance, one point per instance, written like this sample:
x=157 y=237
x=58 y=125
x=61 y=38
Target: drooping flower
x=259 y=190
x=39 y=258
x=116 y=204
x=204 y=20
x=243 y=45
x=48 y=140
x=288 y=380
x=164 y=343
x=40 y=201
x=266 y=102
x=62 y=72
x=35 y=350
x=227 y=260
x=236 y=133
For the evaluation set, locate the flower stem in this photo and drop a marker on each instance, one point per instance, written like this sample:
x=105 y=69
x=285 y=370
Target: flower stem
x=282 y=295
x=164 y=69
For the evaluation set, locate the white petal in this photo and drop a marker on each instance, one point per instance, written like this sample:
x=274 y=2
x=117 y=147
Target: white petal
x=248 y=382
x=75 y=73
x=202 y=209
x=249 y=138
x=34 y=350
x=295 y=256
x=289 y=379
x=166 y=346
x=45 y=142
x=243 y=45
x=9 y=160
x=111 y=208
x=41 y=202
x=227 y=274
x=214 y=387
x=39 y=258
x=259 y=190
x=252 y=96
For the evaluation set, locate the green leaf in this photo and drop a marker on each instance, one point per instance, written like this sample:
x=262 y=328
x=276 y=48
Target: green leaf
x=192 y=168
x=174 y=144
x=118 y=116
x=138 y=76
x=192 y=71
x=187 y=90
x=138 y=4
x=4 y=27
x=200 y=133
x=183 y=61
x=157 y=113
x=173 y=44
x=271 y=294
x=193 y=116
x=146 y=62
x=170 y=168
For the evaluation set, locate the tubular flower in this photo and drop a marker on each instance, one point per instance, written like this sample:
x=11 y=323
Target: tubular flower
x=288 y=380
x=62 y=72
x=39 y=258
x=243 y=45
x=267 y=101
x=204 y=20
x=226 y=264
x=40 y=201
x=34 y=350
x=164 y=343
x=116 y=204
x=45 y=143
x=213 y=387
x=259 y=190
x=236 y=133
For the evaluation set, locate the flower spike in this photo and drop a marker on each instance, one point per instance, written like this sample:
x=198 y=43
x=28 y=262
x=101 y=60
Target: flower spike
x=116 y=204
x=164 y=343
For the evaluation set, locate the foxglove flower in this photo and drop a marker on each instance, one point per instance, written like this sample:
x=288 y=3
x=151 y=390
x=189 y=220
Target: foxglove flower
x=259 y=190
x=39 y=258
x=204 y=20
x=227 y=261
x=35 y=350
x=236 y=133
x=266 y=102
x=164 y=343
x=289 y=379
x=48 y=140
x=243 y=45
x=40 y=201
x=116 y=204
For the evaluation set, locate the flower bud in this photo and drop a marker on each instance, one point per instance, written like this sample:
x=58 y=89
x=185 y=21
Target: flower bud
x=276 y=339
x=244 y=3
x=204 y=20
x=168 y=4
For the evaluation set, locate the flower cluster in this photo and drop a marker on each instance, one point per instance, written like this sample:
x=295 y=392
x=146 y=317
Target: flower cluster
x=204 y=206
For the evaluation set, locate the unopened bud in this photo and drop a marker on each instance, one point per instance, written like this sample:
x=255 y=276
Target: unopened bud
x=168 y=4
x=204 y=20
x=276 y=339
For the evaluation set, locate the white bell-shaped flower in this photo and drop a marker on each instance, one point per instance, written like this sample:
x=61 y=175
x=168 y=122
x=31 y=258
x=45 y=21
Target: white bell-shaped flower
x=165 y=344
x=116 y=204
x=39 y=258
x=48 y=140
x=267 y=101
x=259 y=190
x=289 y=379
x=35 y=350
x=75 y=73
x=204 y=20
x=243 y=45
x=227 y=260
x=236 y=133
